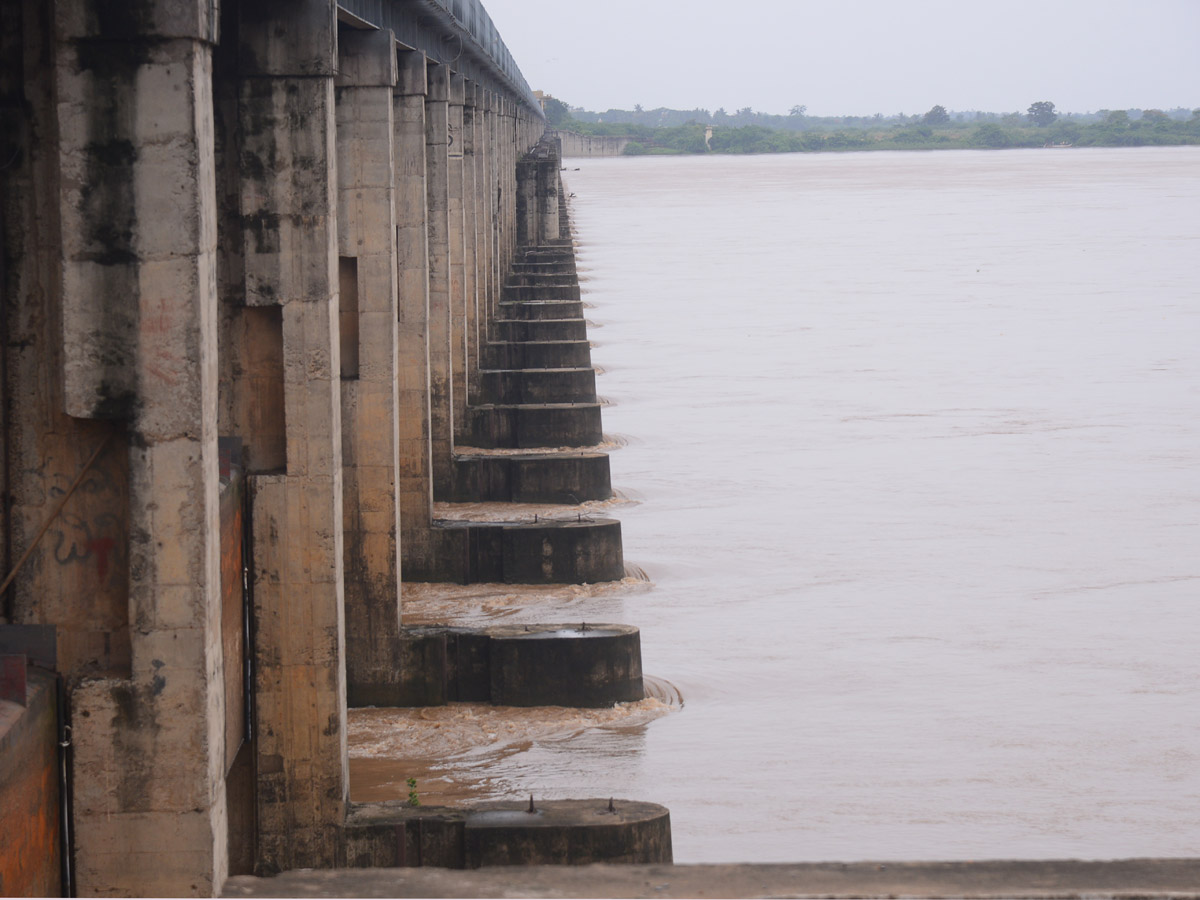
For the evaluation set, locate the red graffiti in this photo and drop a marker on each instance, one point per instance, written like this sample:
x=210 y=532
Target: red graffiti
x=101 y=547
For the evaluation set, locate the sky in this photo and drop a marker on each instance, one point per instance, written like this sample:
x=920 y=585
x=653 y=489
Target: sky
x=857 y=57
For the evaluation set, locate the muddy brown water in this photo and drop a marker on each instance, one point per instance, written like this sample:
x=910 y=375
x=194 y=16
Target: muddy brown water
x=909 y=448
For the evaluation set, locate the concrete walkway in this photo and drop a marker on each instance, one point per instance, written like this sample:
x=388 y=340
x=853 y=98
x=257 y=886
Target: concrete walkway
x=1135 y=878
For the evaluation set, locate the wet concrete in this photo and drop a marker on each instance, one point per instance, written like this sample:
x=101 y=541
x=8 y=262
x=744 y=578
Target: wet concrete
x=1175 y=878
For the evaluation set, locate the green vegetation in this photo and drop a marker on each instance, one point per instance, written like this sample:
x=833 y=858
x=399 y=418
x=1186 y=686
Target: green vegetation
x=413 y=799
x=667 y=131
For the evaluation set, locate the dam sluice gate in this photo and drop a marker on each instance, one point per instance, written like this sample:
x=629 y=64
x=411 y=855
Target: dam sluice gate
x=277 y=276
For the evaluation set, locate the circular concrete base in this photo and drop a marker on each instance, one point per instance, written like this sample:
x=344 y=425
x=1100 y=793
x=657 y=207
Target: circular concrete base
x=575 y=832
x=581 y=665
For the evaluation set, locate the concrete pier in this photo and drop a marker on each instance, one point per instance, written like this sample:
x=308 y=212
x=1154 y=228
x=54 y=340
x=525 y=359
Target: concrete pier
x=251 y=254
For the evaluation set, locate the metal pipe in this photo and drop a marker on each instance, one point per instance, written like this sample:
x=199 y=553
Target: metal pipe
x=62 y=713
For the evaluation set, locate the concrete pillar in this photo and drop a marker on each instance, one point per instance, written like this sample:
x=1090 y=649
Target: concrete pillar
x=506 y=139
x=367 y=324
x=548 y=181
x=488 y=221
x=527 y=203
x=456 y=208
x=414 y=479
x=138 y=315
x=288 y=56
x=471 y=271
x=437 y=182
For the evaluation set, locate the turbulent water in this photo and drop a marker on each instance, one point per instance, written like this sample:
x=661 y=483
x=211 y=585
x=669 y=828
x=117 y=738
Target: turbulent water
x=912 y=450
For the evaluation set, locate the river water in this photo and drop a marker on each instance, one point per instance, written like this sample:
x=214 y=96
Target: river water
x=910 y=447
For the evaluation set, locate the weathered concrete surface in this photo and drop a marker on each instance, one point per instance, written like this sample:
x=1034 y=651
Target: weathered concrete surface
x=1174 y=878
x=289 y=206
x=570 y=477
x=414 y=475
x=583 y=665
x=557 y=832
x=368 y=316
x=529 y=425
x=187 y=254
x=588 y=145
x=438 y=183
x=567 y=832
x=548 y=552
x=539 y=355
x=593 y=665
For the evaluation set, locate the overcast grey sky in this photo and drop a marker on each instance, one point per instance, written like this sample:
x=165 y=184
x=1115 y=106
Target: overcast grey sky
x=857 y=57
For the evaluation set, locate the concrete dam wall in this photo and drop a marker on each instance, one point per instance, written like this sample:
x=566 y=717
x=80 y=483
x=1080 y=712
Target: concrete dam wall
x=277 y=276
x=587 y=145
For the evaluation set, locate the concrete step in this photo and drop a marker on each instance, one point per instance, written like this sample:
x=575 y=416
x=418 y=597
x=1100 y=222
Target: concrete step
x=555 y=552
x=583 y=665
x=538 y=354
x=548 y=255
x=536 y=425
x=541 y=309
x=560 y=385
x=544 y=269
x=548 y=290
x=535 y=278
x=535 y=330
x=568 y=477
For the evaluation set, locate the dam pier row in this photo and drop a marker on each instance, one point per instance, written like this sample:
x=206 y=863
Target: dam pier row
x=277 y=276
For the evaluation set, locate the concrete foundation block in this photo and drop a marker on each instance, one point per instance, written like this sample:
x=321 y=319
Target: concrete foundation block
x=522 y=330
x=580 y=552
x=574 y=832
x=577 y=385
x=541 y=289
x=568 y=478
x=583 y=665
x=537 y=425
x=541 y=309
x=538 y=355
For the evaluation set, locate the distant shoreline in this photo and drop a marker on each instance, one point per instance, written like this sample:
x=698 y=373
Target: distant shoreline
x=676 y=132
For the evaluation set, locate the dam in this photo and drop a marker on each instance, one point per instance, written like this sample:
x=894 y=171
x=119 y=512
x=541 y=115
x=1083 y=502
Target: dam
x=278 y=278
x=282 y=280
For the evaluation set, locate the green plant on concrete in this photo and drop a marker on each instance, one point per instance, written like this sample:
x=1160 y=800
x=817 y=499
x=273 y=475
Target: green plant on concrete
x=413 y=799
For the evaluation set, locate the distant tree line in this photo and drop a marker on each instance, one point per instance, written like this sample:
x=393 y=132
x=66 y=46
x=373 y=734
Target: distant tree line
x=668 y=131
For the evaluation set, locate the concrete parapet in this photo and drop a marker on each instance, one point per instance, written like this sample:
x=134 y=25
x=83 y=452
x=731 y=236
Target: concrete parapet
x=973 y=880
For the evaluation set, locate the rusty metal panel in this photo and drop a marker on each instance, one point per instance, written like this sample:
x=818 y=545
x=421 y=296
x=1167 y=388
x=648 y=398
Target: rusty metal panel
x=233 y=638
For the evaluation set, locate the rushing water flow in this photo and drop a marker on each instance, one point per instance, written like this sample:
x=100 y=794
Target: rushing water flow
x=916 y=445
